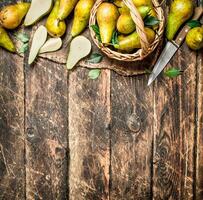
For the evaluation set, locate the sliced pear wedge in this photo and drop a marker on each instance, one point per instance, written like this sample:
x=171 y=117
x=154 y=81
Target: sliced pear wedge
x=38 y=41
x=37 y=10
x=52 y=44
x=80 y=47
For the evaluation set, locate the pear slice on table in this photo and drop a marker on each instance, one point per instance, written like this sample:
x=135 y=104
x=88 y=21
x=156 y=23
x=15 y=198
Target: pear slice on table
x=80 y=47
x=37 y=10
x=52 y=44
x=38 y=41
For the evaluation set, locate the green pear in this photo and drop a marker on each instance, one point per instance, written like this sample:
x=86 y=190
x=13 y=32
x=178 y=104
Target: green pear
x=81 y=16
x=132 y=41
x=148 y=3
x=5 y=41
x=107 y=15
x=194 y=38
x=125 y=23
x=55 y=27
x=65 y=8
x=12 y=15
x=180 y=12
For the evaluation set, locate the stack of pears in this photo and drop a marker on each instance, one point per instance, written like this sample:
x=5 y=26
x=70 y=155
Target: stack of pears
x=116 y=16
x=56 y=25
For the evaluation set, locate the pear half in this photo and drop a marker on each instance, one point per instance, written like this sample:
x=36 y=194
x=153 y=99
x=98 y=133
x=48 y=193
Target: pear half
x=52 y=44
x=37 y=10
x=38 y=41
x=80 y=47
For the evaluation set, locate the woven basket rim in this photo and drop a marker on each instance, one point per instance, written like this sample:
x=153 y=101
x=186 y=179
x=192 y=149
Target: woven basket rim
x=137 y=55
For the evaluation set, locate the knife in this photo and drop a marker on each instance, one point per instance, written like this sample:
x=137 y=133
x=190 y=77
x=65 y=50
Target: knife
x=171 y=48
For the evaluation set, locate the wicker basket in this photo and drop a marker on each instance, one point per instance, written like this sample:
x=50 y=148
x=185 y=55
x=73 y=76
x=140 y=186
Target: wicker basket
x=146 y=48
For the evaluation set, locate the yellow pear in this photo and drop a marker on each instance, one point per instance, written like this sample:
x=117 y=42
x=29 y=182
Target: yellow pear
x=12 y=15
x=125 y=23
x=5 y=41
x=81 y=16
x=132 y=41
x=139 y=3
x=194 y=38
x=55 y=27
x=107 y=15
x=65 y=8
x=180 y=12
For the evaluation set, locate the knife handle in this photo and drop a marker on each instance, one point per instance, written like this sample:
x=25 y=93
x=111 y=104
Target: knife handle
x=181 y=36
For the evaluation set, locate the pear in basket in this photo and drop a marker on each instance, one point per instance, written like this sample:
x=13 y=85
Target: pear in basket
x=107 y=15
x=125 y=23
x=132 y=41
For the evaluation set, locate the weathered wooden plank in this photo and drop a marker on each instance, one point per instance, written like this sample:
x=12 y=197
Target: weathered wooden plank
x=89 y=118
x=199 y=150
x=131 y=138
x=46 y=129
x=12 y=172
x=174 y=130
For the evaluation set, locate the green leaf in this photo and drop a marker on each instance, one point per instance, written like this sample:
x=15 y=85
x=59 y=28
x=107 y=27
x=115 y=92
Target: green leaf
x=173 y=72
x=151 y=21
x=95 y=28
x=23 y=48
x=95 y=58
x=194 y=23
x=22 y=37
x=94 y=73
x=114 y=39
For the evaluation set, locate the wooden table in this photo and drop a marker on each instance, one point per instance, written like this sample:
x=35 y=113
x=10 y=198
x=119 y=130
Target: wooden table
x=64 y=136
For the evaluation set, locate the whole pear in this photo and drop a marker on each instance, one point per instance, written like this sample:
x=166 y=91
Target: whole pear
x=107 y=15
x=139 y=3
x=55 y=27
x=180 y=12
x=194 y=38
x=5 y=41
x=65 y=8
x=132 y=41
x=149 y=3
x=81 y=16
x=125 y=23
x=12 y=15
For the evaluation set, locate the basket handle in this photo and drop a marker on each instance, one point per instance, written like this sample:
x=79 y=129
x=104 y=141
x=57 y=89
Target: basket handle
x=139 y=26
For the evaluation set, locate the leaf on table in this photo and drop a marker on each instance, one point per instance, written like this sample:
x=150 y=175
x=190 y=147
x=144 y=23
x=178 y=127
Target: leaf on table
x=194 y=23
x=173 y=72
x=151 y=21
x=23 y=48
x=94 y=73
x=95 y=58
x=23 y=37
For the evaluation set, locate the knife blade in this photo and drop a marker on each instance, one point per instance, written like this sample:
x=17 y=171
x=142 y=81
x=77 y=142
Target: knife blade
x=171 y=48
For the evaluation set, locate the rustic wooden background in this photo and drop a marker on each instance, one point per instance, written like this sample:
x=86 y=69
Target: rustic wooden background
x=64 y=136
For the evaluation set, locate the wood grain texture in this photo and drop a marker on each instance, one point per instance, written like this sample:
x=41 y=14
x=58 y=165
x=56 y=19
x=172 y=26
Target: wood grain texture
x=131 y=138
x=174 y=113
x=199 y=120
x=12 y=172
x=89 y=118
x=46 y=131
